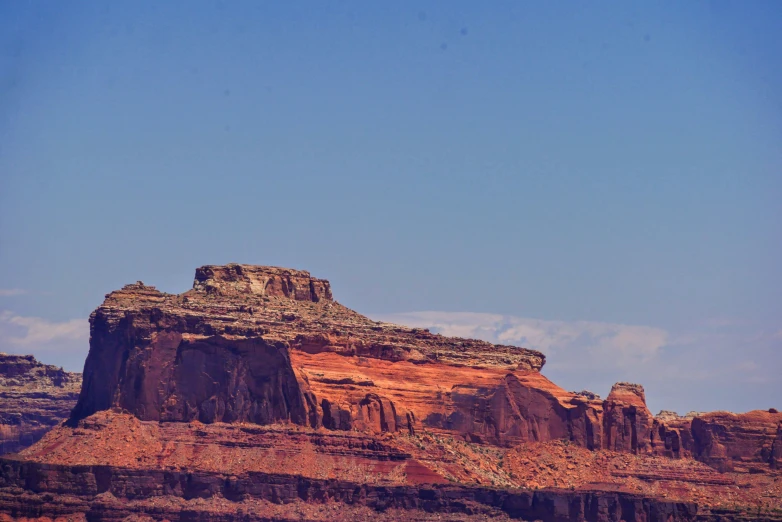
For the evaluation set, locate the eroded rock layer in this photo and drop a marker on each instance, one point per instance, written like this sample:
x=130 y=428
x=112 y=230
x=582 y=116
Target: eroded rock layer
x=264 y=344
x=111 y=465
x=33 y=398
x=743 y=442
x=175 y=495
x=256 y=390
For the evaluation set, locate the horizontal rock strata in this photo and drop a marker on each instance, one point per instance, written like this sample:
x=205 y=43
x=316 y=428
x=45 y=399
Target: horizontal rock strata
x=109 y=484
x=33 y=398
x=256 y=389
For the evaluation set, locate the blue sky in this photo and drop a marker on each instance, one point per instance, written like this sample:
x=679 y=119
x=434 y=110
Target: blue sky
x=524 y=171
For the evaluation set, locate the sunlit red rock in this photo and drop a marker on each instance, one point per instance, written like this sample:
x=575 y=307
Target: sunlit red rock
x=741 y=442
x=256 y=391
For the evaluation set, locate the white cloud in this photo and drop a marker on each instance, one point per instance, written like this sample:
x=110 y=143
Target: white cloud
x=708 y=366
x=9 y=292
x=21 y=331
x=619 y=345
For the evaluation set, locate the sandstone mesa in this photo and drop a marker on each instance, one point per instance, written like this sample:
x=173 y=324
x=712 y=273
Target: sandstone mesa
x=256 y=393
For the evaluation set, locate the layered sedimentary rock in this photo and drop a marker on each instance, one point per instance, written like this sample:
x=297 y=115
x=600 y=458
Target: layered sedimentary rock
x=627 y=421
x=741 y=442
x=112 y=464
x=101 y=493
x=256 y=389
x=671 y=436
x=775 y=459
x=262 y=345
x=33 y=398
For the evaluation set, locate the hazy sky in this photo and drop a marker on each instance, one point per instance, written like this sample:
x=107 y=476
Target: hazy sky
x=600 y=181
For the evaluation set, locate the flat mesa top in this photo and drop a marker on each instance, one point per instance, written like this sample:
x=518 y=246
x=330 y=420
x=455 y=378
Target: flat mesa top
x=271 y=281
x=291 y=305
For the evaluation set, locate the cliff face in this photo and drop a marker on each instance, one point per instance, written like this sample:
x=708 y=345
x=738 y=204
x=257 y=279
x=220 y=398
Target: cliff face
x=110 y=465
x=263 y=344
x=627 y=420
x=33 y=398
x=747 y=442
x=256 y=389
x=101 y=493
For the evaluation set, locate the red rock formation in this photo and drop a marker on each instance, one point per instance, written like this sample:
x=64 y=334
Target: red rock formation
x=775 y=459
x=110 y=493
x=111 y=465
x=741 y=442
x=630 y=427
x=256 y=388
x=627 y=421
x=263 y=345
x=33 y=398
x=672 y=436
x=727 y=441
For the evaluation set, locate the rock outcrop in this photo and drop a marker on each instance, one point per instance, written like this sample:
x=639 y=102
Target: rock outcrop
x=672 y=437
x=744 y=442
x=627 y=421
x=264 y=345
x=256 y=390
x=775 y=458
x=100 y=493
x=33 y=398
